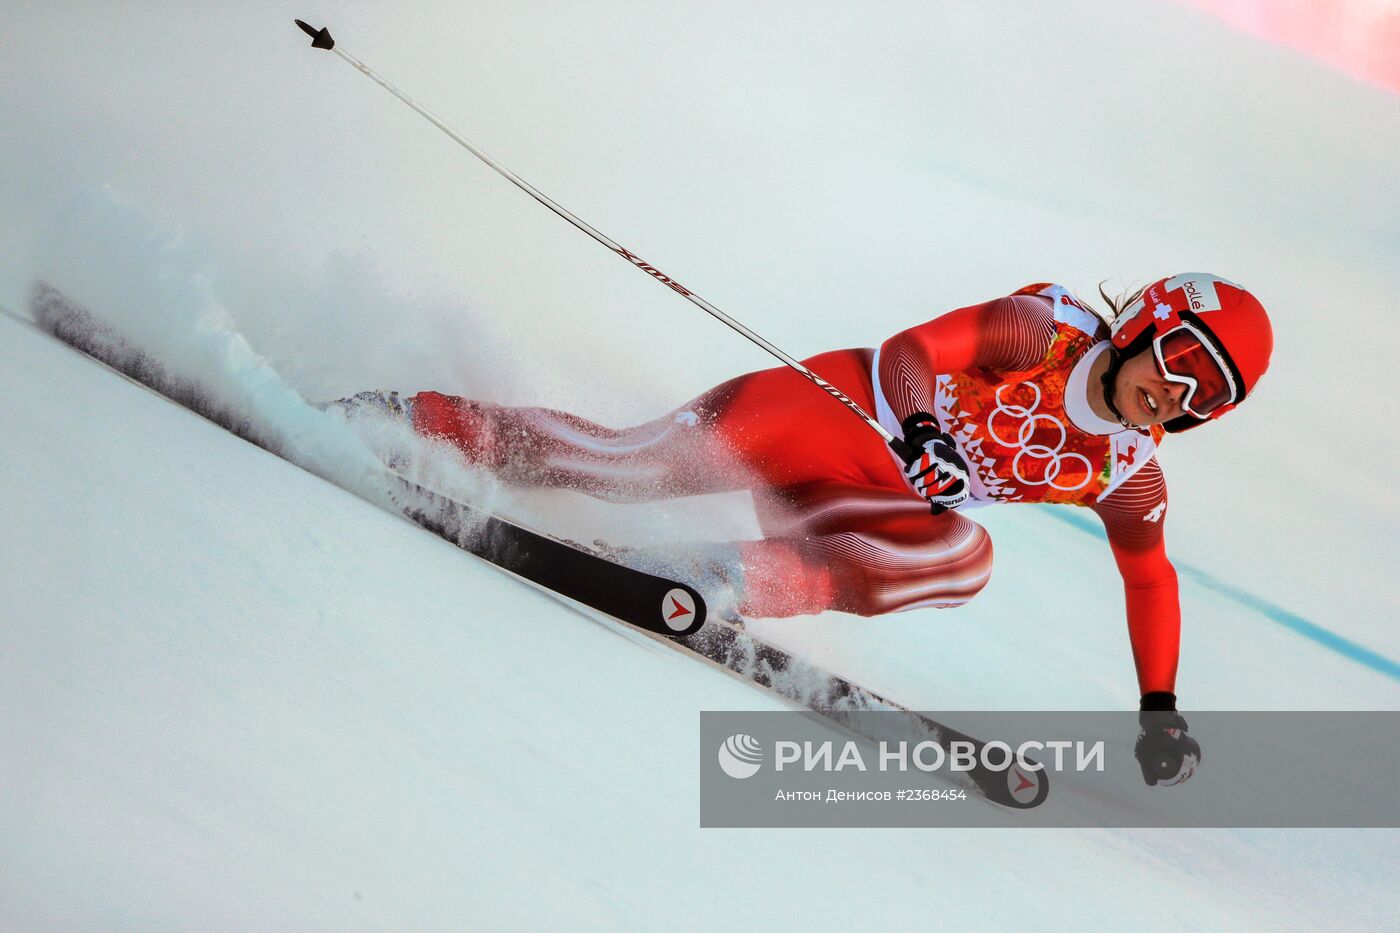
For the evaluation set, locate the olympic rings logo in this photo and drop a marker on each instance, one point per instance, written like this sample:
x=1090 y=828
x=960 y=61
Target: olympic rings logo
x=1026 y=431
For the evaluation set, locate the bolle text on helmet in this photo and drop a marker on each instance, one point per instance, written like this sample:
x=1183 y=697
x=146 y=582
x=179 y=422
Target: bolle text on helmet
x=1193 y=296
x=1201 y=291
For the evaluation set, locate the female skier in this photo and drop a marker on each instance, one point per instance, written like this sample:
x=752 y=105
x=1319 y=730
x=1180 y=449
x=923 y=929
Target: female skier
x=1027 y=398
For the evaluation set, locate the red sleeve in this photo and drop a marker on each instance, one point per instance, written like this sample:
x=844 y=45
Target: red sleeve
x=1007 y=334
x=1133 y=515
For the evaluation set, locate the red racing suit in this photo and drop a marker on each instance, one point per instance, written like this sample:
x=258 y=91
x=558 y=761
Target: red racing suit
x=1008 y=379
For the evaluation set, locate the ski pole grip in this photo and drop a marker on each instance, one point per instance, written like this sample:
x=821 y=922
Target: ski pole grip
x=902 y=449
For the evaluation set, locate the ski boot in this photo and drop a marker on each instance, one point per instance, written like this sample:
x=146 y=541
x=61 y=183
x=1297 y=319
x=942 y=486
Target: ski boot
x=390 y=404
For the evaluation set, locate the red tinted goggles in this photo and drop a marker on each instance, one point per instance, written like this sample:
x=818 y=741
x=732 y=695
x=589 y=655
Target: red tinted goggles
x=1184 y=355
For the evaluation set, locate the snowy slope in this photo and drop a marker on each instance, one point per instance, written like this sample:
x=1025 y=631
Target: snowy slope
x=237 y=697
x=233 y=696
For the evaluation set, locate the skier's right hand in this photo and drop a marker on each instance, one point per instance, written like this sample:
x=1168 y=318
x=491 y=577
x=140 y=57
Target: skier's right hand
x=1165 y=752
x=934 y=468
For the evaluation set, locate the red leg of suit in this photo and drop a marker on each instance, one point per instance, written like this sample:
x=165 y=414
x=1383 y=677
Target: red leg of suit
x=841 y=529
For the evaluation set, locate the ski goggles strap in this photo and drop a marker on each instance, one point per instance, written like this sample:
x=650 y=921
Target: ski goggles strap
x=1186 y=356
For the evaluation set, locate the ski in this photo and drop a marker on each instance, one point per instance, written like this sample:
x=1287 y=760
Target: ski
x=669 y=611
x=646 y=601
x=846 y=703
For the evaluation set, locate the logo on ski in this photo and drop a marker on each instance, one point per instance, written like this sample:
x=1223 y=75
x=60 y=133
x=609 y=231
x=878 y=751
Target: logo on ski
x=678 y=610
x=1021 y=785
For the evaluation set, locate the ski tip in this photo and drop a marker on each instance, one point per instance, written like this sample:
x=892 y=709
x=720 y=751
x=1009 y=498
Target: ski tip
x=320 y=38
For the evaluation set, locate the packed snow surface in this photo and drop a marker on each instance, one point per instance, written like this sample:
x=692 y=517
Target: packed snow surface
x=234 y=696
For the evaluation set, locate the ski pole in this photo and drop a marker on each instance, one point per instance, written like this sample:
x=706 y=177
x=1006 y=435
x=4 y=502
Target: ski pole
x=321 y=39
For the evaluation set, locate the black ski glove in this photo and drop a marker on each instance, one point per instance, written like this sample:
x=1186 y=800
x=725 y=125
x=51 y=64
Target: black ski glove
x=1166 y=753
x=934 y=467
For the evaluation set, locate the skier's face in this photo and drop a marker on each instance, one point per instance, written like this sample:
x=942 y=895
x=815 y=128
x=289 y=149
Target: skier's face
x=1143 y=394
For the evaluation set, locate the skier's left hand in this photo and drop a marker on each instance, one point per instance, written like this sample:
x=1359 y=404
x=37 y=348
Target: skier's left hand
x=1165 y=752
x=936 y=470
